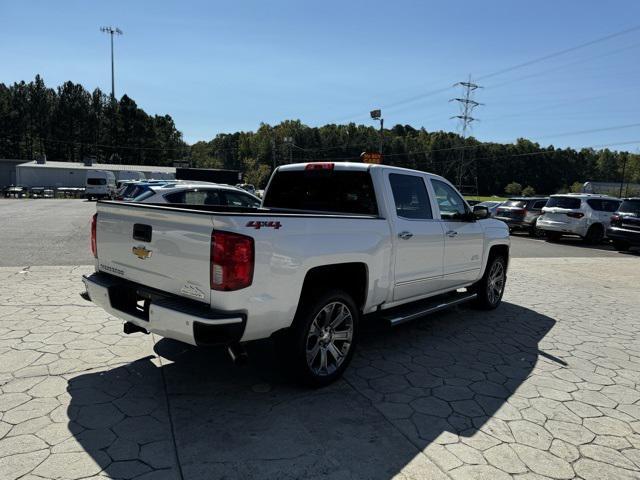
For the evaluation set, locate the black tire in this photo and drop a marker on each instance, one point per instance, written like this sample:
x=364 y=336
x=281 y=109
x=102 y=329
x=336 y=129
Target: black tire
x=534 y=231
x=595 y=234
x=488 y=298
x=621 y=245
x=552 y=236
x=301 y=341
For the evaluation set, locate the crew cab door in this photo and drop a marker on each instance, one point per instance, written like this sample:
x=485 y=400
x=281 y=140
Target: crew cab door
x=418 y=238
x=464 y=237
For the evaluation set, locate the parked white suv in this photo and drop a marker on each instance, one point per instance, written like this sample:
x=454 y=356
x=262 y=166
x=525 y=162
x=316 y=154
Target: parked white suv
x=583 y=214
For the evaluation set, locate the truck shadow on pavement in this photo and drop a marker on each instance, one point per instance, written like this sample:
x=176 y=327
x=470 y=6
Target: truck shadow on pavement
x=190 y=413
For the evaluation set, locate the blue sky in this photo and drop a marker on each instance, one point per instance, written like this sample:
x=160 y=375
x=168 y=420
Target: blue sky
x=226 y=66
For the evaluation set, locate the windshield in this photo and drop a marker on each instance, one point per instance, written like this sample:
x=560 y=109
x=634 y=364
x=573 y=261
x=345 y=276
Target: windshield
x=144 y=195
x=564 y=202
x=630 y=206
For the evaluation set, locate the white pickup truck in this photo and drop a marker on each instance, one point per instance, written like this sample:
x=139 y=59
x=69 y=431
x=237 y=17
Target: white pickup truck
x=332 y=245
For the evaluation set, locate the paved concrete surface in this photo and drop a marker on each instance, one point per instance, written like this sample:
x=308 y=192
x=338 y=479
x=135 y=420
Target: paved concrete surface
x=56 y=232
x=547 y=386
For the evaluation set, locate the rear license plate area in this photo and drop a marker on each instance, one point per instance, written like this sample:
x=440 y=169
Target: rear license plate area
x=130 y=301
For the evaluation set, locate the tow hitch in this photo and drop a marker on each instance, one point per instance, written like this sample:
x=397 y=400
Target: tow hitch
x=130 y=328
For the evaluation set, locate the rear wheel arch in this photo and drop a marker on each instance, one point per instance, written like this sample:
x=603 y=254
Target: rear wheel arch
x=352 y=278
x=595 y=233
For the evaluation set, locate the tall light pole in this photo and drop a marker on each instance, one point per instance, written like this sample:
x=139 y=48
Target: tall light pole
x=377 y=115
x=112 y=31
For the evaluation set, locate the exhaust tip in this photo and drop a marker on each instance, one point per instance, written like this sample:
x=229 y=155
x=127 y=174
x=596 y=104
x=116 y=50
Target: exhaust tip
x=238 y=354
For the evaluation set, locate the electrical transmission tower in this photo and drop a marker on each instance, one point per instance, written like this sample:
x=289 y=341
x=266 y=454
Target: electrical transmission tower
x=464 y=167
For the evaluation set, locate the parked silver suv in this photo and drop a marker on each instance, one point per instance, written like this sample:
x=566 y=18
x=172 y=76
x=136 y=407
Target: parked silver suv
x=583 y=214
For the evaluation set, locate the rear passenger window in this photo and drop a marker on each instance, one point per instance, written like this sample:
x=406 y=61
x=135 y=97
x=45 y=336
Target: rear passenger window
x=595 y=204
x=539 y=204
x=241 y=200
x=410 y=196
x=610 y=205
x=195 y=197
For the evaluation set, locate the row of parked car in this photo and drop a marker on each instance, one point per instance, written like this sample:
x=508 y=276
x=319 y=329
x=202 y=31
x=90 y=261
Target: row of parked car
x=187 y=192
x=592 y=217
x=19 y=191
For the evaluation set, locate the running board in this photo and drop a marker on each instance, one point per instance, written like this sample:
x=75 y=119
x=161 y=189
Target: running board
x=400 y=315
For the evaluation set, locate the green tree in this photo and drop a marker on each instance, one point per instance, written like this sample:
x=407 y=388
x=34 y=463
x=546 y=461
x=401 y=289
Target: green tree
x=256 y=174
x=528 y=191
x=576 y=187
x=513 y=188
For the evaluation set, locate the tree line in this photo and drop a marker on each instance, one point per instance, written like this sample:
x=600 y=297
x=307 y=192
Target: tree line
x=70 y=123
x=536 y=168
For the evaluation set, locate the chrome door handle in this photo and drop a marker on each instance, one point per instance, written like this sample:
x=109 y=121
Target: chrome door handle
x=452 y=233
x=405 y=235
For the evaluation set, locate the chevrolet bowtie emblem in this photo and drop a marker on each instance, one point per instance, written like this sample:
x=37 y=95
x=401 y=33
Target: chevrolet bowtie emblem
x=141 y=252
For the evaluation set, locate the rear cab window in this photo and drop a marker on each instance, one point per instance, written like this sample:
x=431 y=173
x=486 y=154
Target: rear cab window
x=570 y=203
x=323 y=190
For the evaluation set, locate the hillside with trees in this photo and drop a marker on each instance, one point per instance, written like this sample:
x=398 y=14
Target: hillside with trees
x=69 y=123
x=542 y=169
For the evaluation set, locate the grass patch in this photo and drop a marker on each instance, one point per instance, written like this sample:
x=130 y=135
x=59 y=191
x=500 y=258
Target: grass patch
x=485 y=199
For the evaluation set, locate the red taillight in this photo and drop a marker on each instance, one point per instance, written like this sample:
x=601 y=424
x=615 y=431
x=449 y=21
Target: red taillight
x=575 y=214
x=94 y=240
x=616 y=219
x=232 y=258
x=319 y=166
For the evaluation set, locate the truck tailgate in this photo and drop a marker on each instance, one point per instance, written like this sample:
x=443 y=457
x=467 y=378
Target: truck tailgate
x=164 y=249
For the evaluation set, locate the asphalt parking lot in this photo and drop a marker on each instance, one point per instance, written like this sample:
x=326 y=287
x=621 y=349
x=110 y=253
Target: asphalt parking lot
x=546 y=386
x=56 y=232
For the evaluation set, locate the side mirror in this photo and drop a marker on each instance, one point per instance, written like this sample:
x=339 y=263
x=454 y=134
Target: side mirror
x=480 y=212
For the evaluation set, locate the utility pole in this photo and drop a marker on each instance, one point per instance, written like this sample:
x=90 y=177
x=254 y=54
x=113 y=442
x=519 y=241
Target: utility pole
x=467 y=105
x=377 y=115
x=112 y=31
x=289 y=141
x=624 y=167
x=273 y=153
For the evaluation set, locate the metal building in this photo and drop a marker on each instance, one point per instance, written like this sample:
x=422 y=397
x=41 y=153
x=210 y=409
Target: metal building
x=42 y=173
x=8 y=171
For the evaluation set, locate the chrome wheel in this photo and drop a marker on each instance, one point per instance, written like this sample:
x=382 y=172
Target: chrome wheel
x=329 y=339
x=495 y=284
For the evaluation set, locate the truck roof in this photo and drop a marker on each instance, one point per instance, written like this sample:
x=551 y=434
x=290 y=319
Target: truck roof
x=354 y=166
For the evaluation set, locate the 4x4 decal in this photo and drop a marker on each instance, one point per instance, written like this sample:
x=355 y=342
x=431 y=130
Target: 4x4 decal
x=259 y=224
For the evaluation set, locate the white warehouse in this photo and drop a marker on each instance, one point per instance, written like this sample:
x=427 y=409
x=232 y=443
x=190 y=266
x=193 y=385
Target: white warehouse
x=41 y=173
